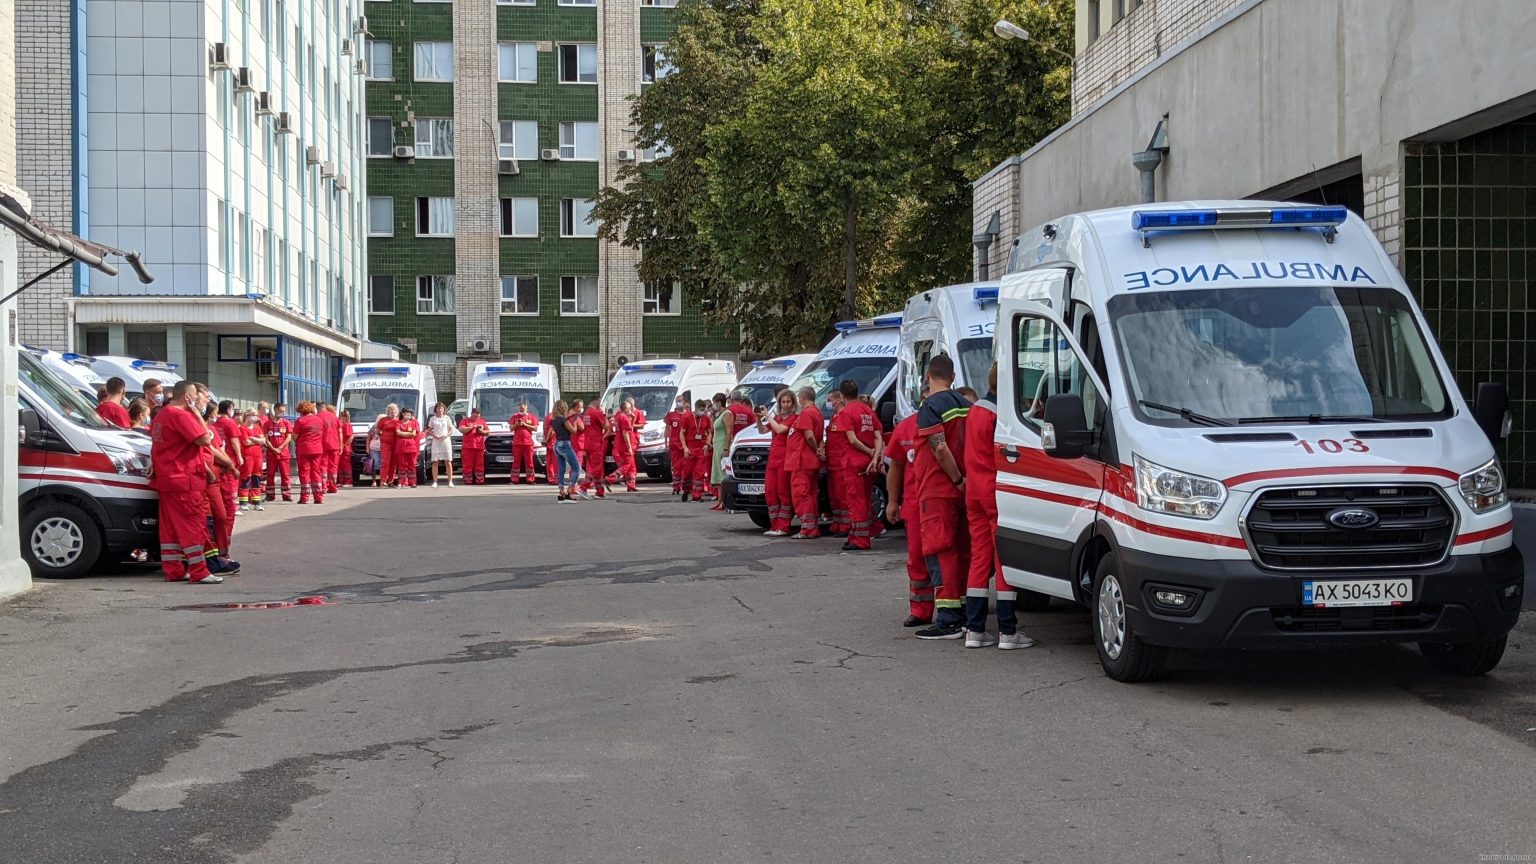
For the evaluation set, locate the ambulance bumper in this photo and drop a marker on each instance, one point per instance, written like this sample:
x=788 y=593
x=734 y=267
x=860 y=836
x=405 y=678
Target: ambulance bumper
x=1237 y=604
x=131 y=523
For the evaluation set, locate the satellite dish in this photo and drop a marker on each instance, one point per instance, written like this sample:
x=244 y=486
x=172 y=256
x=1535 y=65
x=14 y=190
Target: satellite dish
x=622 y=360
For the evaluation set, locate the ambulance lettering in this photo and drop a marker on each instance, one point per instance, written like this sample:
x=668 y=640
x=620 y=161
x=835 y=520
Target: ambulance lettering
x=882 y=349
x=1244 y=271
x=987 y=329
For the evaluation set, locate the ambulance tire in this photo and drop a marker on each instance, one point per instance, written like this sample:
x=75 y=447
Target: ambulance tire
x=60 y=541
x=1467 y=659
x=1122 y=653
x=760 y=518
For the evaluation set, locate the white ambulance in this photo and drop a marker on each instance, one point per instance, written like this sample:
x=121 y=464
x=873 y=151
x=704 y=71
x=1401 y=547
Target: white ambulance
x=497 y=389
x=655 y=385
x=759 y=384
x=135 y=372
x=1227 y=424
x=84 y=483
x=956 y=320
x=368 y=388
x=73 y=369
x=864 y=351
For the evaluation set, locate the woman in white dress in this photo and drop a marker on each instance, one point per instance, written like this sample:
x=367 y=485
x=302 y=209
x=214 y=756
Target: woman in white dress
x=440 y=440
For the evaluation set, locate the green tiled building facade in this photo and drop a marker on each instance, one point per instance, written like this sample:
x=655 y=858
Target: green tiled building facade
x=551 y=42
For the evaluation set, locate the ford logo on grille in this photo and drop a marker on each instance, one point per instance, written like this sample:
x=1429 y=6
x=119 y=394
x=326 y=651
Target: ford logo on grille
x=1353 y=518
x=753 y=460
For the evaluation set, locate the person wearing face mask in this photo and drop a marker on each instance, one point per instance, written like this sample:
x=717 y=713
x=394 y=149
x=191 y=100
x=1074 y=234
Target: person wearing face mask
x=407 y=448
x=675 y=435
x=154 y=393
x=309 y=440
x=776 y=482
x=625 y=443
x=277 y=429
x=180 y=476
x=388 y=427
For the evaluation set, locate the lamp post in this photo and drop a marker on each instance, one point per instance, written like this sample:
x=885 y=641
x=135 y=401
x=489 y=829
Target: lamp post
x=1006 y=29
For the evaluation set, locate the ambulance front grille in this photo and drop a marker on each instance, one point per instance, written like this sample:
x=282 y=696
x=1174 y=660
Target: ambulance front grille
x=750 y=463
x=1291 y=529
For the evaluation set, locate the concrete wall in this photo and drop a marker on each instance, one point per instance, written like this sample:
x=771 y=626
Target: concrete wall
x=14 y=575
x=1132 y=34
x=1284 y=88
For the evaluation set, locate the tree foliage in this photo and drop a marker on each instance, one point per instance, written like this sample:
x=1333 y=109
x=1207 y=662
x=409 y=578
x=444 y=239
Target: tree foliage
x=822 y=151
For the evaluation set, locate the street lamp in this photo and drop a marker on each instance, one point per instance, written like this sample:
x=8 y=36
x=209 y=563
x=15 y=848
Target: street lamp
x=1006 y=29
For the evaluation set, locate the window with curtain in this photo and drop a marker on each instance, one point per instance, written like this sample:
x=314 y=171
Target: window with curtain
x=381 y=216
x=578 y=140
x=434 y=138
x=434 y=295
x=381 y=59
x=434 y=61
x=578 y=295
x=434 y=217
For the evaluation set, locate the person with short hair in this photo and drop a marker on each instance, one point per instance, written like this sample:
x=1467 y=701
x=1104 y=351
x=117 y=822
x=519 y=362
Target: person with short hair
x=277 y=432
x=625 y=444
x=860 y=460
x=551 y=457
x=523 y=425
x=474 y=430
x=941 y=501
x=309 y=441
x=777 y=490
x=229 y=429
x=804 y=458
x=180 y=476
x=594 y=449
x=901 y=491
x=440 y=443
x=330 y=445
x=344 y=436
x=674 y=421
x=138 y=415
x=407 y=449
x=252 y=447
x=986 y=571
x=153 y=391
x=110 y=406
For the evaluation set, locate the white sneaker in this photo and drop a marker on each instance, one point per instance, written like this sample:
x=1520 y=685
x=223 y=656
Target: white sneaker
x=979 y=639
x=1010 y=641
x=774 y=533
x=210 y=579
x=258 y=507
x=450 y=484
x=434 y=484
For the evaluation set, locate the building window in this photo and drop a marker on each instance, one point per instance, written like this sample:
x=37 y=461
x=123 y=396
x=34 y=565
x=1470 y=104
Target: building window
x=576 y=3
x=381 y=295
x=259 y=265
x=660 y=4
x=238 y=235
x=576 y=218
x=661 y=151
x=519 y=62
x=519 y=295
x=381 y=136
x=519 y=217
x=1093 y=20
x=578 y=63
x=434 y=217
x=381 y=216
x=434 y=61
x=578 y=295
x=517 y=3
x=578 y=140
x=434 y=295
x=654 y=64
x=434 y=138
x=380 y=57
x=662 y=298
x=588 y=359
x=519 y=139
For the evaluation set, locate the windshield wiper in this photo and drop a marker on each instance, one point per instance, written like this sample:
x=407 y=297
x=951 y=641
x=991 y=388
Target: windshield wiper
x=1183 y=413
x=1313 y=419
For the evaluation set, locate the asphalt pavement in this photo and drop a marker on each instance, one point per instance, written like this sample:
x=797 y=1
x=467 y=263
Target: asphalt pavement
x=496 y=678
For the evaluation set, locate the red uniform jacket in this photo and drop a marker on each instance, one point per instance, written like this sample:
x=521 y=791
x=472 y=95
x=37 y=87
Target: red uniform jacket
x=175 y=454
x=675 y=433
x=276 y=430
x=901 y=449
x=802 y=456
x=114 y=413
x=474 y=433
x=941 y=412
x=624 y=438
x=309 y=433
x=523 y=434
x=229 y=430
x=980 y=458
x=858 y=418
x=330 y=441
x=778 y=447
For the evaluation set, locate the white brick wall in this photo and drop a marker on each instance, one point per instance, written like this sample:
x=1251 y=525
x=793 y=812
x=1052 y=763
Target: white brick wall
x=477 y=251
x=44 y=164
x=998 y=192
x=618 y=76
x=1136 y=40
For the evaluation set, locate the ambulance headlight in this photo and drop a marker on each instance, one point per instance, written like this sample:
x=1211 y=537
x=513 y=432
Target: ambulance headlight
x=1483 y=489
x=1163 y=490
x=127 y=461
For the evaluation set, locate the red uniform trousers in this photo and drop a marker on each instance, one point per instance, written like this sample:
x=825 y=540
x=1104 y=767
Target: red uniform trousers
x=947 y=542
x=472 y=460
x=217 y=537
x=854 y=486
x=781 y=502
x=183 y=528
x=626 y=468
x=277 y=464
x=592 y=468
x=229 y=485
x=981 y=515
x=407 y=451
x=803 y=486
x=675 y=459
x=837 y=497
x=386 y=475
x=328 y=460
x=344 y=467
x=551 y=463
x=701 y=468
x=522 y=463
x=250 y=480
x=919 y=575
x=311 y=477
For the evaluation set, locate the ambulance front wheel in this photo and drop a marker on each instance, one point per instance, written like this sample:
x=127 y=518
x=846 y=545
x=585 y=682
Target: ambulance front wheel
x=60 y=541
x=1469 y=659
x=1123 y=654
x=760 y=518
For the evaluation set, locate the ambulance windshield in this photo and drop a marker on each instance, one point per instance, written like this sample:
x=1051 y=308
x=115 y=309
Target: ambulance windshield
x=1257 y=355
x=58 y=395
x=824 y=375
x=501 y=403
x=975 y=361
x=759 y=393
x=654 y=401
x=366 y=405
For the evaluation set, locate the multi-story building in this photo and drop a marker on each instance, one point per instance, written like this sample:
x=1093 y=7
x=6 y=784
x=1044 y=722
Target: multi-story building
x=491 y=126
x=1419 y=115
x=224 y=140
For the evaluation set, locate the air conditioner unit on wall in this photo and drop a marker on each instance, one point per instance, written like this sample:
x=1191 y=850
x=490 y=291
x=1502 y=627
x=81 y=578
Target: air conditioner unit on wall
x=346 y=47
x=327 y=169
x=626 y=155
x=550 y=154
x=219 y=57
x=405 y=151
x=362 y=25
x=285 y=123
x=507 y=166
x=243 y=80
x=312 y=155
x=263 y=103
x=479 y=346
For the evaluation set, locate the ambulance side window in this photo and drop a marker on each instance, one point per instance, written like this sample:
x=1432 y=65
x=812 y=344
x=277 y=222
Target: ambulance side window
x=922 y=352
x=1045 y=365
x=1086 y=329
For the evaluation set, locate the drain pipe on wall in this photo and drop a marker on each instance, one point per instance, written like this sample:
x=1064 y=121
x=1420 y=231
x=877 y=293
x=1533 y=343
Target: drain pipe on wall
x=1147 y=161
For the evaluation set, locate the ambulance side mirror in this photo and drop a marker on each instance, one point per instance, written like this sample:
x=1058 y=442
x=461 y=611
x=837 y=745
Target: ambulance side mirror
x=1491 y=411
x=31 y=428
x=1065 y=433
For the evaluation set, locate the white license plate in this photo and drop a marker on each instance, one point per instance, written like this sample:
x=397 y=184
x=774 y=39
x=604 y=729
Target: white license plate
x=1357 y=592
x=749 y=488
x=503 y=460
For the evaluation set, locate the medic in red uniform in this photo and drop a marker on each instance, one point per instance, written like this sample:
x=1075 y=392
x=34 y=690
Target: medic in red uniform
x=472 y=452
x=804 y=457
x=776 y=481
x=309 y=438
x=675 y=435
x=278 y=431
x=625 y=442
x=387 y=429
x=902 y=490
x=330 y=441
x=229 y=428
x=344 y=437
x=551 y=459
x=523 y=424
x=860 y=454
x=981 y=513
x=593 y=441
x=252 y=448
x=835 y=445
x=217 y=515
x=180 y=476
x=941 y=501
x=407 y=448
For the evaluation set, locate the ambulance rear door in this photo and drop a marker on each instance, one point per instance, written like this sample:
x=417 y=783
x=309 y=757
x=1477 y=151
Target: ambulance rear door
x=1046 y=505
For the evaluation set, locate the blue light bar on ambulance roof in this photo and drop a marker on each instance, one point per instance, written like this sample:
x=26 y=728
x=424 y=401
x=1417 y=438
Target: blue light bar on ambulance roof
x=985 y=294
x=650 y=367
x=78 y=359
x=878 y=322
x=1244 y=217
x=154 y=365
x=776 y=363
x=512 y=370
x=383 y=370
